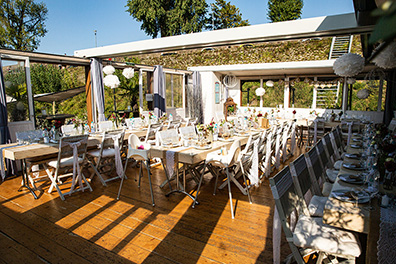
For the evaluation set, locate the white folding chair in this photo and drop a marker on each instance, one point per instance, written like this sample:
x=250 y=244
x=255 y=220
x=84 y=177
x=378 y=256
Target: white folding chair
x=310 y=234
x=105 y=125
x=108 y=154
x=188 y=132
x=151 y=133
x=68 y=130
x=139 y=151
x=72 y=154
x=32 y=164
x=214 y=159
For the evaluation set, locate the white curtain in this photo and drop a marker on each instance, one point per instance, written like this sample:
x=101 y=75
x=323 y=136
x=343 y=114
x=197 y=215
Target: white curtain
x=196 y=107
x=159 y=91
x=98 y=87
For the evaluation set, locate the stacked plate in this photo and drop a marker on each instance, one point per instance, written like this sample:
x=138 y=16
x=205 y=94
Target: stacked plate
x=352 y=179
x=351 y=196
x=352 y=166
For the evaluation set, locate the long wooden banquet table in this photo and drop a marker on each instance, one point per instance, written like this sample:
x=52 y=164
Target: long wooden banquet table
x=190 y=157
x=15 y=151
x=363 y=218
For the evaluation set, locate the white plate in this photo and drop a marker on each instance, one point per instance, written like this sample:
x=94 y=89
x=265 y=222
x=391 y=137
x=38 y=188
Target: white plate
x=343 y=195
x=226 y=140
x=356 y=146
x=352 y=179
x=203 y=148
x=171 y=146
x=351 y=166
x=352 y=156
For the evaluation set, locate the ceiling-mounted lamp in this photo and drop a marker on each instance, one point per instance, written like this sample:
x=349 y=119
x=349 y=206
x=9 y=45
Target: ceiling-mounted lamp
x=260 y=92
x=269 y=83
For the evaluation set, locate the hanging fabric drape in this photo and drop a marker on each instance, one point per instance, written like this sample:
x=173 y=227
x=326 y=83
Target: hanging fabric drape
x=196 y=109
x=88 y=93
x=97 y=86
x=4 y=131
x=159 y=91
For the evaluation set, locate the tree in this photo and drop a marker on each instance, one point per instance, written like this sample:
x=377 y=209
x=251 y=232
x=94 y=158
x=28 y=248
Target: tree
x=283 y=10
x=225 y=15
x=167 y=17
x=22 y=24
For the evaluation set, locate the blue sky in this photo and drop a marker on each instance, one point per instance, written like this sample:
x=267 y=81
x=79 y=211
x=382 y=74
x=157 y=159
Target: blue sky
x=71 y=23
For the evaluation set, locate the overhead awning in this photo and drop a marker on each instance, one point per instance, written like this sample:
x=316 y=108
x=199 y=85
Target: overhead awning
x=59 y=96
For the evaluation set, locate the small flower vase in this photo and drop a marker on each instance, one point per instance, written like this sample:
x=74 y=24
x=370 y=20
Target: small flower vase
x=210 y=136
x=114 y=125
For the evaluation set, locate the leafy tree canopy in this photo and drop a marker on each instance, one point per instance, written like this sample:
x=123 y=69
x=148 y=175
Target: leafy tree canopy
x=168 y=17
x=283 y=10
x=22 y=24
x=225 y=15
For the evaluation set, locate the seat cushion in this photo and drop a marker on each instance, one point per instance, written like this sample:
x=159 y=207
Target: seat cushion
x=332 y=174
x=106 y=153
x=316 y=205
x=338 y=164
x=310 y=232
x=326 y=189
x=65 y=162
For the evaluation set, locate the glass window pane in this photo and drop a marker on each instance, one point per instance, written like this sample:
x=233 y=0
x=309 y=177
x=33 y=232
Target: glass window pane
x=16 y=90
x=178 y=90
x=168 y=91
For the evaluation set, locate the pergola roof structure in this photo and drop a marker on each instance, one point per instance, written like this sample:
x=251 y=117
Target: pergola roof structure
x=325 y=26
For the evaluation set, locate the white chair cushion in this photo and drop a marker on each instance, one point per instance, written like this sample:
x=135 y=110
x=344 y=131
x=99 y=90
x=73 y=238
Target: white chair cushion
x=326 y=189
x=332 y=174
x=338 y=164
x=310 y=232
x=106 y=153
x=65 y=162
x=316 y=205
x=217 y=159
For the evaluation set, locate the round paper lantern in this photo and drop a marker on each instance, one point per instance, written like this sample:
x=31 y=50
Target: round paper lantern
x=111 y=81
x=269 y=83
x=260 y=91
x=363 y=94
x=386 y=59
x=230 y=80
x=128 y=73
x=108 y=70
x=348 y=65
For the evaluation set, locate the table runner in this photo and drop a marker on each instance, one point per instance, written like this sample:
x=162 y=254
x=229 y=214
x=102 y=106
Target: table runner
x=387 y=240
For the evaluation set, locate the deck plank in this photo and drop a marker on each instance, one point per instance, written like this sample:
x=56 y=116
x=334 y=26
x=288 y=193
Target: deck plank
x=95 y=227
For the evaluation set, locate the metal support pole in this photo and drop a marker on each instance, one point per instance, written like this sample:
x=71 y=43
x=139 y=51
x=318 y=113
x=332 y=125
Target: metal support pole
x=345 y=96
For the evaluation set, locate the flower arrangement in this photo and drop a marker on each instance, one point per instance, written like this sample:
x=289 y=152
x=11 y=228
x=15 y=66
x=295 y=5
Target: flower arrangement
x=113 y=117
x=294 y=112
x=163 y=118
x=76 y=123
x=56 y=123
x=313 y=112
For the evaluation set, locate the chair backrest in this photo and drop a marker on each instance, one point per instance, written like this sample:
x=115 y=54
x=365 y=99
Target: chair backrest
x=286 y=199
x=105 y=125
x=188 y=132
x=315 y=169
x=233 y=153
x=152 y=131
x=174 y=124
x=299 y=171
x=68 y=129
x=134 y=122
x=30 y=135
x=329 y=146
x=109 y=137
x=66 y=150
x=169 y=136
x=192 y=122
x=320 y=148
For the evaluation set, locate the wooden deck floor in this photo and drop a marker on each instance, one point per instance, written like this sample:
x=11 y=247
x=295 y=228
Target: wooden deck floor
x=93 y=227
